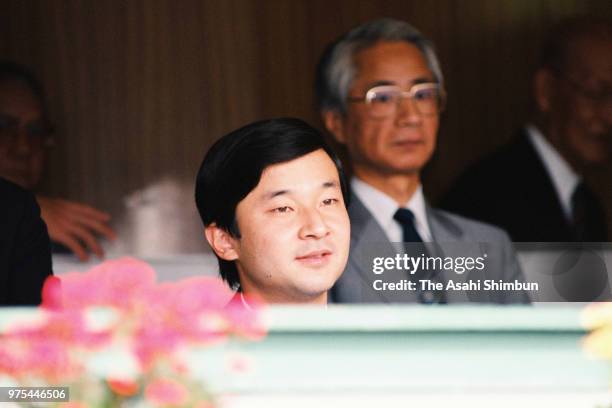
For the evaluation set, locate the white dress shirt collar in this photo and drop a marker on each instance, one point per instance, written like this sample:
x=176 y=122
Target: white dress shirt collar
x=248 y=307
x=382 y=207
x=563 y=177
x=244 y=302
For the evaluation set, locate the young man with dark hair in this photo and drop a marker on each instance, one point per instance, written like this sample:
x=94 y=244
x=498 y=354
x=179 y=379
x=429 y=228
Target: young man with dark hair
x=273 y=199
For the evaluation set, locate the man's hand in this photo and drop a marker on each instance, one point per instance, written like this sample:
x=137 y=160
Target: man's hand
x=75 y=225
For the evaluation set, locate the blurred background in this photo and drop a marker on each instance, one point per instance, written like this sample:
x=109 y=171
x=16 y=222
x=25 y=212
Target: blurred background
x=140 y=89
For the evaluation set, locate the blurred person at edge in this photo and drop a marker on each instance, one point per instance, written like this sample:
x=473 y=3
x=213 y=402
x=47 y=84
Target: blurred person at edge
x=380 y=93
x=25 y=136
x=25 y=255
x=534 y=186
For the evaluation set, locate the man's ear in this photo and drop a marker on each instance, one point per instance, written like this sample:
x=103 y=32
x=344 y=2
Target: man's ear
x=222 y=242
x=334 y=125
x=543 y=89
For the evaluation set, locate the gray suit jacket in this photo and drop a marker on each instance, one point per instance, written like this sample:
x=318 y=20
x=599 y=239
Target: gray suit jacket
x=454 y=236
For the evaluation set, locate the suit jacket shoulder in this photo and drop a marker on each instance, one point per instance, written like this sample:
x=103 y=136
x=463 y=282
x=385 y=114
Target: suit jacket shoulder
x=447 y=225
x=454 y=236
x=511 y=189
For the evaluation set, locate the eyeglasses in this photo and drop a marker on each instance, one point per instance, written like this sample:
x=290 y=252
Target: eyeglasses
x=37 y=132
x=382 y=101
x=601 y=97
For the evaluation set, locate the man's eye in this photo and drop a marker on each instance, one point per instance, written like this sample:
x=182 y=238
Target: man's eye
x=383 y=97
x=6 y=123
x=36 y=129
x=426 y=95
x=330 y=201
x=284 y=209
x=599 y=96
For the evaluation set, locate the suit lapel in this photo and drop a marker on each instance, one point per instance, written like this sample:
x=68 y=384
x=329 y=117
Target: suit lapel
x=368 y=239
x=539 y=195
x=450 y=241
x=443 y=229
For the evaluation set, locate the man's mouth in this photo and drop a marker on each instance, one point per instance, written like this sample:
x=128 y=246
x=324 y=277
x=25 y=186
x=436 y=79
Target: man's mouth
x=408 y=140
x=415 y=141
x=17 y=176
x=315 y=258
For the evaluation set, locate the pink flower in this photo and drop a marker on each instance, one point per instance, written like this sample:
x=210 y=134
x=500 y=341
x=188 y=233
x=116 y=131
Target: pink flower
x=171 y=315
x=52 y=293
x=36 y=358
x=73 y=404
x=43 y=349
x=123 y=388
x=67 y=327
x=155 y=319
x=164 y=391
x=112 y=283
x=245 y=322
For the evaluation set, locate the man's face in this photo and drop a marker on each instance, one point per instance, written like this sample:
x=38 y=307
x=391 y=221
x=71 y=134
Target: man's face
x=403 y=142
x=22 y=133
x=580 y=107
x=294 y=230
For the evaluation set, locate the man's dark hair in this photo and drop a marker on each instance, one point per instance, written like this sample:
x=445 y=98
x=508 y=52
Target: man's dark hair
x=233 y=167
x=337 y=68
x=554 y=54
x=12 y=71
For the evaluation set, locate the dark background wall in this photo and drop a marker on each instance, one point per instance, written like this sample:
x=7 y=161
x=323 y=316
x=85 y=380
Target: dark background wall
x=139 y=89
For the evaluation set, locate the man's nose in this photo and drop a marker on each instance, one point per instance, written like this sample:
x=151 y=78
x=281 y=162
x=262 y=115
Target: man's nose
x=22 y=143
x=313 y=225
x=600 y=120
x=606 y=113
x=407 y=113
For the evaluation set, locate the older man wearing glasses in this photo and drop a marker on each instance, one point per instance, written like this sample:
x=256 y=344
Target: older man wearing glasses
x=546 y=199
x=380 y=92
x=25 y=135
